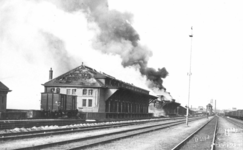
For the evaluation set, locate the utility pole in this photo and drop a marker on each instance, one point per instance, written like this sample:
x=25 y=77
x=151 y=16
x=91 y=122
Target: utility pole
x=189 y=74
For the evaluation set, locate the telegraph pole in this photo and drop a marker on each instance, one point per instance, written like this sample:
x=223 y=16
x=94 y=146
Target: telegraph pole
x=189 y=74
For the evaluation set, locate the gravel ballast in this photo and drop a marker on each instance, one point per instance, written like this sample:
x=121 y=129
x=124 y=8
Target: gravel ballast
x=159 y=140
x=41 y=140
x=229 y=136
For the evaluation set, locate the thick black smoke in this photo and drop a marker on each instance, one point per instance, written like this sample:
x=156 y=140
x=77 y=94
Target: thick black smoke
x=154 y=76
x=117 y=36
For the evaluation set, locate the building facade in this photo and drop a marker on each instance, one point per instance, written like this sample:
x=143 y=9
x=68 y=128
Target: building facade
x=95 y=93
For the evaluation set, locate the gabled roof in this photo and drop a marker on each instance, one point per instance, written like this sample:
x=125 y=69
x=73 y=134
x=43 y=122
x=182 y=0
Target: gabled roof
x=4 y=87
x=80 y=76
x=84 y=76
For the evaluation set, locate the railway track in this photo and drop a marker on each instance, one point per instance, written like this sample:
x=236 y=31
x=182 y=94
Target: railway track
x=84 y=142
x=11 y=124
x=41 y=133
x=236 y=122
x=58 y=131
x=229 y=134
x=203 y=138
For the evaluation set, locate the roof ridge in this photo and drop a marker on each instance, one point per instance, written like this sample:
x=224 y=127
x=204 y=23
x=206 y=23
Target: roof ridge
x=95 y=74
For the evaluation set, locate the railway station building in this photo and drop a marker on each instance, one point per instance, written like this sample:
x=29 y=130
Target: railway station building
x=95 y=95
x=3 y=97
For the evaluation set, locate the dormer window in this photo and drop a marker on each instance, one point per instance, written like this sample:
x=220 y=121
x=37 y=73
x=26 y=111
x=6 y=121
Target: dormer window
x=84 y=91
x=90 y=92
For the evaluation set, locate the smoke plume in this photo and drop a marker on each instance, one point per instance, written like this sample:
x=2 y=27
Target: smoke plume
x=117 y=36
x=59 y=54
x=30 y=43
x=39 y=34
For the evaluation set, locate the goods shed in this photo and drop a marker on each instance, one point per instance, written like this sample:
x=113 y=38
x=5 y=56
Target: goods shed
x=95 y=95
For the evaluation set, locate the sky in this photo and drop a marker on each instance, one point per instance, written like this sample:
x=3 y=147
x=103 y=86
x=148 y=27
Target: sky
x=38 y=35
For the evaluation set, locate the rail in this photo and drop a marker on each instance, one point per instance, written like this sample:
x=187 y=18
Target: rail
x=188 y=138
x=109 y=136
x=214 y=135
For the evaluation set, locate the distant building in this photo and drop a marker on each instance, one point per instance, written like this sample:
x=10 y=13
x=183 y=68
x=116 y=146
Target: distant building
x=3 y=97
x=209 y=109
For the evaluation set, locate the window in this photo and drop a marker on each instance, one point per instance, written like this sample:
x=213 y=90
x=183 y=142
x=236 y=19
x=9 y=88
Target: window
x=84 y=102
x=73 y=91
x=84 y=91
x=90 y=102
x=68 y=92
x=90 y=92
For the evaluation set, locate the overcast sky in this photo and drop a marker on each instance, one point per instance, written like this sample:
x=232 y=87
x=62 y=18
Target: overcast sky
x=164 y=28
x=217 y=46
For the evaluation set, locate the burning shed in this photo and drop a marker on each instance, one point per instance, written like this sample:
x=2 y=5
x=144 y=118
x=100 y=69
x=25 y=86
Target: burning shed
x=95 y=94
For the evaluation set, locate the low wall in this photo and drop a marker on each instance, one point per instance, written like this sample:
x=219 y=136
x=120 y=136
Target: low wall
x=21 y=114
x=105 y=116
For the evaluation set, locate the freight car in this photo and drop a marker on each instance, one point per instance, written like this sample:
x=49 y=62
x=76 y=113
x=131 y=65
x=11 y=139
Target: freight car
x=238 y=114
x=56 y=105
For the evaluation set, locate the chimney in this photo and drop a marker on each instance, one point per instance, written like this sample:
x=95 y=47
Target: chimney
x=50 y=74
